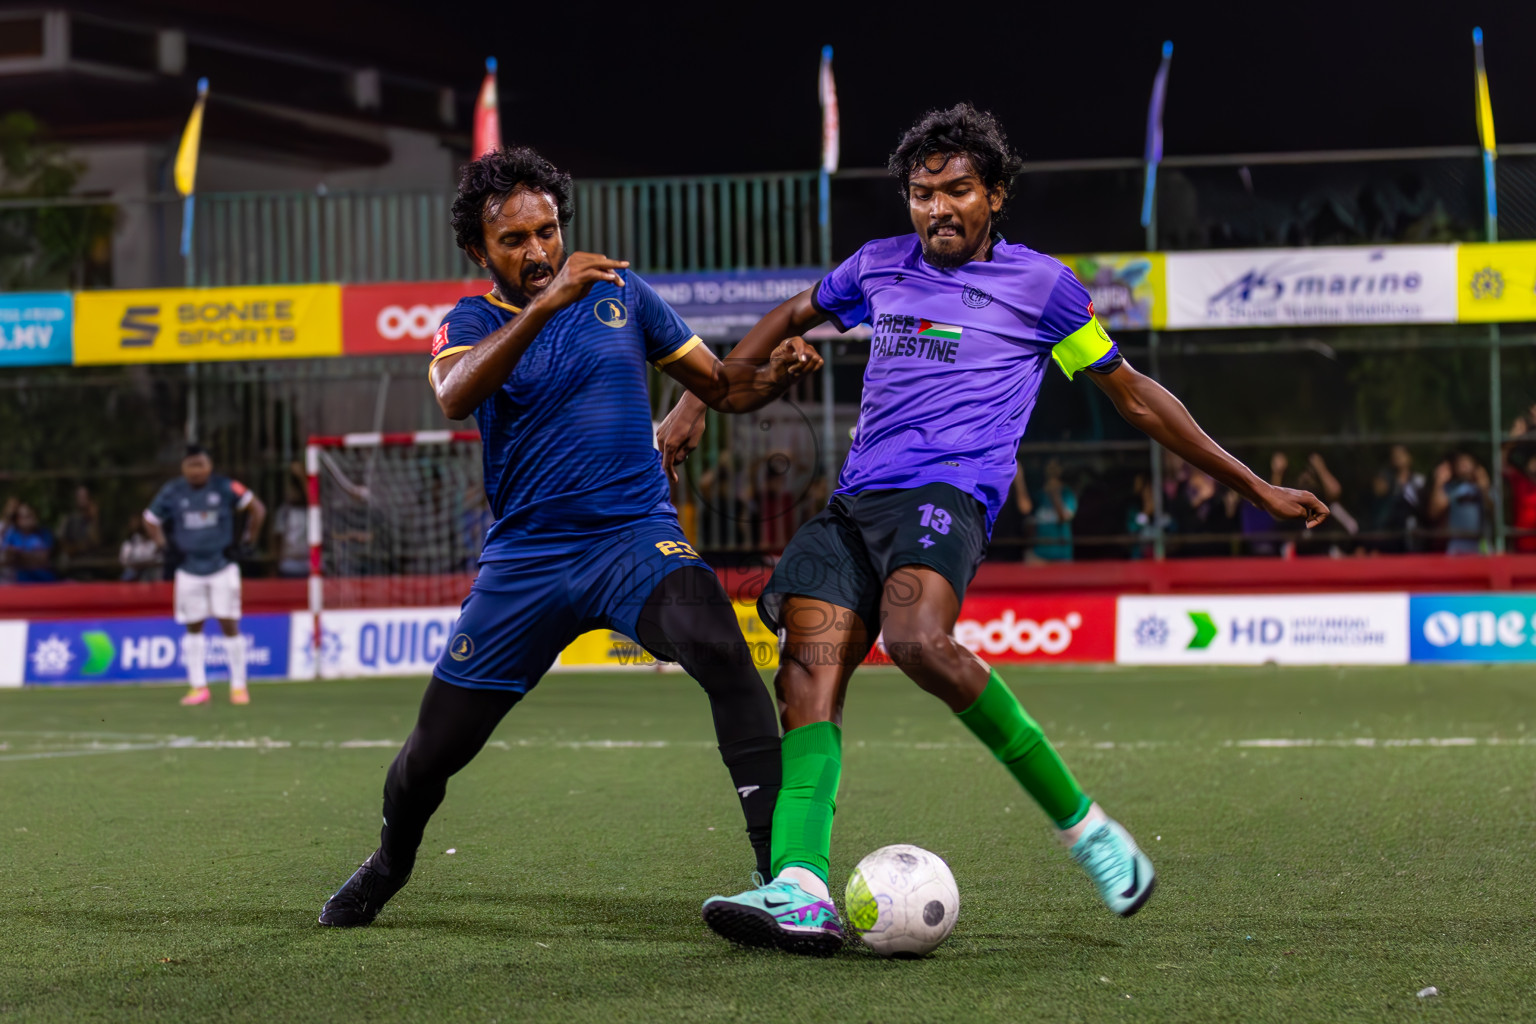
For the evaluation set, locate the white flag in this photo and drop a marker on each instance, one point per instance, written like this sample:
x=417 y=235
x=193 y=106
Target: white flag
x=829 y=126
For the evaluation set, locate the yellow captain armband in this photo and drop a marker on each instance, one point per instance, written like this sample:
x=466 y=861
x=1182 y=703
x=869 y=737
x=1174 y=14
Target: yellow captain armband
x=1082 y=348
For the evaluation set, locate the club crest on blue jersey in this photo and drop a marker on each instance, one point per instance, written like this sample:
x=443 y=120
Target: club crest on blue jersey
x=461 y=647
x=611 y=313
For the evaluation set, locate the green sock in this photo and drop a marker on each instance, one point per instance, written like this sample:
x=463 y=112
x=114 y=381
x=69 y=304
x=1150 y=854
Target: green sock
x=1000 y=721
x=802 y=819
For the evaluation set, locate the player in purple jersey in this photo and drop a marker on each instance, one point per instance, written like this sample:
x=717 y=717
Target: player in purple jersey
x=964 y=327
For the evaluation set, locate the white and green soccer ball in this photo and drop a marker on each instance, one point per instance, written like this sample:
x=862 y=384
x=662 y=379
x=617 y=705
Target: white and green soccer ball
x=902 y=900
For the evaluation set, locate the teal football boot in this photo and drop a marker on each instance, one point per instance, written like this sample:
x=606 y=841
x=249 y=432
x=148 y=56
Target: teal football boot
x=1117 y=866
x=778 y=915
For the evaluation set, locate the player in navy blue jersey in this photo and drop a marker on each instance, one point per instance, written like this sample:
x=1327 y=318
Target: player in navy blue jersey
x=552 y=364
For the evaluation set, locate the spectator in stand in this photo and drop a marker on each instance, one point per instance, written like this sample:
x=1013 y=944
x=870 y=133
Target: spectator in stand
x=290 y=533
x=79 y=535
x=1520 y=478
x=1205 y=510
x=1458 y=503
x=27 y=548
x=774 y=506
x=1055 y=505
x=139 y=555
x=1397 y=504
x=1259 y=526
x=1010 y=531
x=1336 y=535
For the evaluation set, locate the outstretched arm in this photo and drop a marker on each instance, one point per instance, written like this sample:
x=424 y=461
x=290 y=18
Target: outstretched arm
x=679 y=433
x=739 y=385
x=1149 y=407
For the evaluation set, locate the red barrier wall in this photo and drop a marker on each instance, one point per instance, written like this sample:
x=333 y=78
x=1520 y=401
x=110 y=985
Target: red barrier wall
x=1433 y=573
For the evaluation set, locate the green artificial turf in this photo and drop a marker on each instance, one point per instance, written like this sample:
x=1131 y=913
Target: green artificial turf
x=167 y=864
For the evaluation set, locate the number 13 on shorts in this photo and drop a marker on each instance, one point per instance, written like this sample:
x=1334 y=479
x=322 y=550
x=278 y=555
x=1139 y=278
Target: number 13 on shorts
x=935 y=517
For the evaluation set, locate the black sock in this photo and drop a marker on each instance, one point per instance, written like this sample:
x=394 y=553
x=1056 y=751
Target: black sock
x=757 y=770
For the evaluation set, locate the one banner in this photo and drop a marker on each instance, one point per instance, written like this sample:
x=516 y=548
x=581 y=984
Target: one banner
x=144 y=650
x=1127 y=287
x=1496 y=282
x=487 y=134
x=725 y=305
x=379 y=319
x=36 y=328
x=372 y=642
x=13 y=652
x=1472 y=627
x=1290 y=629
x=178 y=325
x=1400 y=284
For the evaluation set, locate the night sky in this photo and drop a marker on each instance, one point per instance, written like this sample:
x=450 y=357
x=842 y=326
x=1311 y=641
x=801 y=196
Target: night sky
x=639 y=88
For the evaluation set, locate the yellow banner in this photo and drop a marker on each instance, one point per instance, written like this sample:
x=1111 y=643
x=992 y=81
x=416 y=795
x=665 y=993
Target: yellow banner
x=184 y=325
x=1496 y=281
x=606 y=648
x=1127 y=288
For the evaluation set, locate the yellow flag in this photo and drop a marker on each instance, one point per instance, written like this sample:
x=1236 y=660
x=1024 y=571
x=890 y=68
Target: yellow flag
x=1484 y=106
x=191 y=139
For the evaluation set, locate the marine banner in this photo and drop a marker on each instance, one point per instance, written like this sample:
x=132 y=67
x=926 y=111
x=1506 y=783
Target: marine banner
x=180 y=325
x=1496 y=282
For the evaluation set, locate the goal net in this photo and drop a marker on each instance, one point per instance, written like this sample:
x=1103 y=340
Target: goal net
x=396 y=522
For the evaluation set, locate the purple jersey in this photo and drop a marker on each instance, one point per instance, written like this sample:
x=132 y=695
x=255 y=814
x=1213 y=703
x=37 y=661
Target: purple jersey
x=956 y=361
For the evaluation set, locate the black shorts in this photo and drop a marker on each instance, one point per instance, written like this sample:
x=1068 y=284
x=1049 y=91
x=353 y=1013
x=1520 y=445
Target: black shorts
x=845 y=554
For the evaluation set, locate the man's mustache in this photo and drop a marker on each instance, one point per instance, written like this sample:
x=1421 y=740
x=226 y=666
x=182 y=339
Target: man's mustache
x=537 y=270
x=959 y=228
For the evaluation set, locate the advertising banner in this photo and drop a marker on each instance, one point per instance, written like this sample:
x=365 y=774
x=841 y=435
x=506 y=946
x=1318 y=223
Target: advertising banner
x=1496 y=282
x=1127 y=288
x=1045 y=628
x=382 y=319
x=13 y=652
x=144 y=650
x=1399 y=284
x=372 y=642
x=723 y=306
x=607 y=648
x=1472 y=627
x=178 y=325
x=1290 y=629
x=35 y=328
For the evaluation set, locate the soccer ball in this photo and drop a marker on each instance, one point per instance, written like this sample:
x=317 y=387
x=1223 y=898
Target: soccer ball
x=902 y=900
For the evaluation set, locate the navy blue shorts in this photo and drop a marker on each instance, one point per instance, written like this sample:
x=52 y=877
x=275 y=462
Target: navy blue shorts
x=521 y=614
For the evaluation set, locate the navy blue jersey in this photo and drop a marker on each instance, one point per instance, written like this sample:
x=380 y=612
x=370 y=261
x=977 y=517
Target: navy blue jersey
x=200 y=521
x=567 y=440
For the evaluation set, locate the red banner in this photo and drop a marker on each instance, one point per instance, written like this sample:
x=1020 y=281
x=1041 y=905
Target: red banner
x=1029 y=628
x=398 y=318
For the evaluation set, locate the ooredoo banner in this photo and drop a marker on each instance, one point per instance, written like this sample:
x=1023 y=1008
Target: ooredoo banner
x=383 y=319
x=180 y=325
x=1398 y=284
x=1290 y=629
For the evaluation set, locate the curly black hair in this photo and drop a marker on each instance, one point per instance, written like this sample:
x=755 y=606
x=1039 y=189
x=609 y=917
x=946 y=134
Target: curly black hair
x=485 y=184
x=960 y=129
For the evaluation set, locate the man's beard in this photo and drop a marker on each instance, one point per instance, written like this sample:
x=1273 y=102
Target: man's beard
x=519 y=293
x=948 y=259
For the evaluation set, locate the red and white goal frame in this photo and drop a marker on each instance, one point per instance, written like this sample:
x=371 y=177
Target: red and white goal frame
x=450 y=584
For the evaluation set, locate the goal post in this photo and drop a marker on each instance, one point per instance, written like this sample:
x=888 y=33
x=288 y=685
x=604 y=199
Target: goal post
x=395 y=521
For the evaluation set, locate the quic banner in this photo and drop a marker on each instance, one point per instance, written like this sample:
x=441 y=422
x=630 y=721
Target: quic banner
x=381 y=319
x=179 y=325
x=1399 y=284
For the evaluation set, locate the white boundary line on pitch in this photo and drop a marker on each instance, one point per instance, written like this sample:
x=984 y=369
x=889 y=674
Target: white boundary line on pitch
x=94 y=744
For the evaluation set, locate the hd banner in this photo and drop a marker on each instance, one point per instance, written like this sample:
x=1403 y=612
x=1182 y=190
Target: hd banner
x=1496 y=282
x=180 y=325
x=1399 y=284
x=144 y=650
x=35 y=329
x=1290 y=629
x=384 y=319
x=1127 y=288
